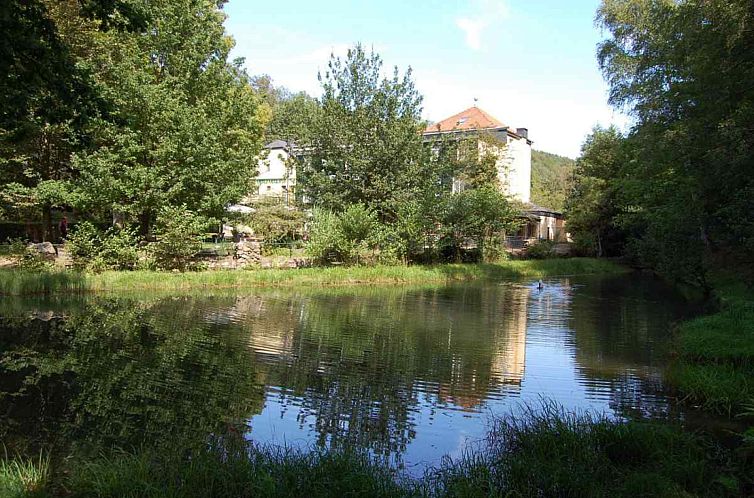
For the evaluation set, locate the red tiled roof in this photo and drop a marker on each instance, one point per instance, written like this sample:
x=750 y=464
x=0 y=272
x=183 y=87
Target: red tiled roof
x=472 y=118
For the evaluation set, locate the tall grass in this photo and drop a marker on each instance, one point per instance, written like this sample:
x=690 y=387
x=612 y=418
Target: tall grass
x=551 y=452
x=24 y=478
x=24 y=282
x=13 y=282
x=545 y=452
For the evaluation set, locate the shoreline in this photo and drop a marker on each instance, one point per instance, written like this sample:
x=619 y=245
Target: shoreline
x=25 y=283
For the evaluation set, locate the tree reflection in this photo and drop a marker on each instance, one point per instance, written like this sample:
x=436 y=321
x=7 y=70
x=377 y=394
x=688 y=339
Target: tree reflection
x=121 y=372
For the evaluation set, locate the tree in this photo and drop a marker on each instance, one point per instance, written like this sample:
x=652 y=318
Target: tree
x=366 y=144
x=551 y=177
x=593 y=207
x=185 y=125
x=480 y=215
x=683 y=70
x=46 y=98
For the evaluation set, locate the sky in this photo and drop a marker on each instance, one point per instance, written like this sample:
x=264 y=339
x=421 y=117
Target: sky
x=529 y=63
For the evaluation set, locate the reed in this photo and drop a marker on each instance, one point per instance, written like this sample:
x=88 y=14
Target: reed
x=25 y=477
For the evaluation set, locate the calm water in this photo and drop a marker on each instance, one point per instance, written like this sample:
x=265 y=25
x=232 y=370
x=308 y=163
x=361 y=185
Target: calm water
x=411 y=374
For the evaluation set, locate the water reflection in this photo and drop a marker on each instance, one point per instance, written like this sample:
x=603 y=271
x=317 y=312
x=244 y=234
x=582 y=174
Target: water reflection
x=410 y=374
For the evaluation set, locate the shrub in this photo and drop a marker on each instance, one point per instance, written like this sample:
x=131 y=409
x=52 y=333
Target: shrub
x=276 y=223
x=31 y=261
x=542 y=249
x=348 y=237
x=324 y=244
x=92 y=249
x=178 y=239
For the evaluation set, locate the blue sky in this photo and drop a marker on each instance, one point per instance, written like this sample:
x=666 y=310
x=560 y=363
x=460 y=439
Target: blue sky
x=530 y=63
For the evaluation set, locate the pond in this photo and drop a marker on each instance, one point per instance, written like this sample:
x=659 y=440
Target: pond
x=411 y=374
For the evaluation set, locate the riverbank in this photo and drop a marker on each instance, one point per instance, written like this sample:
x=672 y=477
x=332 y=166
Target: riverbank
x=19 y=282
x=548 y=453
x=715 y=367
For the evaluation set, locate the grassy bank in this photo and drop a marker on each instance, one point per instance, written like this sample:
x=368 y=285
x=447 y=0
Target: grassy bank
x=17 y=282
x=715 y=368
x=546 y=454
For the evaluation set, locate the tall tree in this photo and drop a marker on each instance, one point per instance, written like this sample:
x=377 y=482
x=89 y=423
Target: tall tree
x=683 y=69
x=186 y=125
x=366 y=144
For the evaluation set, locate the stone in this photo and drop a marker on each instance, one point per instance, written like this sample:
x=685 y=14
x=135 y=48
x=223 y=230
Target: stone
x=248 y=253
x=43 y=249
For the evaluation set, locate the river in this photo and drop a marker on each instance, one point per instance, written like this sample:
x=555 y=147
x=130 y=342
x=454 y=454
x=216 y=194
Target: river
x=408 y=373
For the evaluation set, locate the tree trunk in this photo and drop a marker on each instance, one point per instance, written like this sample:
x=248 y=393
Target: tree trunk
x=47 y=234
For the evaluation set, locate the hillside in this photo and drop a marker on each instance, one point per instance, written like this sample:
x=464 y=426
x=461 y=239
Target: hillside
x=550 y=177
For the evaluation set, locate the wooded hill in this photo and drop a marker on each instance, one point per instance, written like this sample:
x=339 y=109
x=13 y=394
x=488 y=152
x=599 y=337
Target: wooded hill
x=550 y=179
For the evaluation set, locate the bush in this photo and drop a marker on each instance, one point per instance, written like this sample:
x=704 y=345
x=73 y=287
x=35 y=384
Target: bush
x=92 y=249
x=178 y=239
x=542 y=249
x=350 y=237
x=276 y=223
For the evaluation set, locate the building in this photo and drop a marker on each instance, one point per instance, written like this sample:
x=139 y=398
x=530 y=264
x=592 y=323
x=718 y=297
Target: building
x=276 y=175
x=542 y=224
x=514 y=165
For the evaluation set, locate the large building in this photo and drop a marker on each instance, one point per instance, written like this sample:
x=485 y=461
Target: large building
x=514 y=165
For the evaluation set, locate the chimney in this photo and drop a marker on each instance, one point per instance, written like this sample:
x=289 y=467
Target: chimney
x=524 y=132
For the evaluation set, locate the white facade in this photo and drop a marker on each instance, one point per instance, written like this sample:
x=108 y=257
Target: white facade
x=276 y=177
x=514 y=169
x=513 y=166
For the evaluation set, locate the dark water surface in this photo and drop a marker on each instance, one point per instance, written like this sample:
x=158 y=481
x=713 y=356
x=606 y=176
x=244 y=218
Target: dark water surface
x=409 y=373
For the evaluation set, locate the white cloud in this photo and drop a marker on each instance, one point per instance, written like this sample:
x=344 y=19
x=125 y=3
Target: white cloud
x=486 y=14
x=473 y=30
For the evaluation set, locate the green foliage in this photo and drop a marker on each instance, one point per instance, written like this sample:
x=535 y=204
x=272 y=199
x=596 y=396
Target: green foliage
x=544 y=452
x=276 y=223
x=542 y=249
x=480 y=215
x=24 y=478
x=348 y=237
x=367 y=145
x=293 y=119
x=716 y=358
x=593 y=208
x=178 y=233
x=477 y=158
x=684 y=179
x=62 y=282
x=95 y=250
x=551 y=177
x=31 y=261
x=128 y=107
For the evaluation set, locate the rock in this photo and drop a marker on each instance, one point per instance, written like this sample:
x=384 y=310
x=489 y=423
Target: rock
x=44 y=249
x=248 y=253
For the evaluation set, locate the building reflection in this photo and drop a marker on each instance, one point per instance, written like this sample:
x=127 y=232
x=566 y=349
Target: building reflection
x=356 y=367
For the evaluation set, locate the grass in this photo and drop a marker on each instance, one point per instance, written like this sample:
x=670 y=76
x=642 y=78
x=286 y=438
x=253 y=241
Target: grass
x=24 y=478
x=18 y=282
x=716 y=355
x=547 y=452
